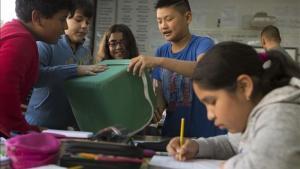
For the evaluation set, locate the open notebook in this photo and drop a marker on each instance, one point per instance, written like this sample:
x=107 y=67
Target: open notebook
x=168 y=162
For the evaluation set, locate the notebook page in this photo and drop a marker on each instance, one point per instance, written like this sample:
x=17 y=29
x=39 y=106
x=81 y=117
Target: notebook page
x=168 y=162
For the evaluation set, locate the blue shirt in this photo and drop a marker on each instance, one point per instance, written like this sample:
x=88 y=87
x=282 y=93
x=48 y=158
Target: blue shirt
x=48 y=105
x=179 y=95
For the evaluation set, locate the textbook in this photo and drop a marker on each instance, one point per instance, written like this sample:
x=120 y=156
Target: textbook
x=168 y=162
x=69 y=133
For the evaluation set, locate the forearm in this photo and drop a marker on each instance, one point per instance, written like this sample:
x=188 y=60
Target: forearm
x=218 y=147
x=56 y=74
x=185 y=68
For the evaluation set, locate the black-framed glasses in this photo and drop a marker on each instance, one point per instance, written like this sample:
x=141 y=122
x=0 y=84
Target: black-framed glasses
x=114 y=43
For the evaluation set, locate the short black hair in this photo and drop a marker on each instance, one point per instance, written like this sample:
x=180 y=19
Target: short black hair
x=47 y=8
x=271 y=32
x=86 y=6
x=182 y=6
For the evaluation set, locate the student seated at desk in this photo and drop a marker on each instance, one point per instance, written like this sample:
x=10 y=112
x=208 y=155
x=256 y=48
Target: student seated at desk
x=49 y=106
x=118 y=42
x=37 y=20
x=260 y=99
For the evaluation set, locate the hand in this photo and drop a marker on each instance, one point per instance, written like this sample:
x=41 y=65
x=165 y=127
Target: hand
x=23 y=107
x=90 y=69
x=160 y=101
x=140 y=63
x=188 y=150
x=157 y=115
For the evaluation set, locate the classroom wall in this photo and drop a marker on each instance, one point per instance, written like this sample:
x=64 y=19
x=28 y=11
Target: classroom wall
x=220 y=19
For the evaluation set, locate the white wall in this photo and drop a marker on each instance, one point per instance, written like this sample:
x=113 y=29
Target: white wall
x=234 y=15
x=7 y=11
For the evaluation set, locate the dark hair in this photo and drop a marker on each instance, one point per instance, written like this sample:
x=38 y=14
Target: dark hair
x=128 y=36
x=86 y=6
x=271 y=32
x=220 y=67
x=182 y=6
x=47 y=8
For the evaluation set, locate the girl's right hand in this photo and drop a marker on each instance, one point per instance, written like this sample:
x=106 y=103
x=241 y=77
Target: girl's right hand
x=188 y=150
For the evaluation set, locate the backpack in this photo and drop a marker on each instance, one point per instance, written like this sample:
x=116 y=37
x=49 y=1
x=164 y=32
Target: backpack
x=32 y=150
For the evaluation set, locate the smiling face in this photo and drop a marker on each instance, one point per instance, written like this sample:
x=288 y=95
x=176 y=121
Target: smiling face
x=117 y=46
x=77 y=27
x=172 y=24
x=228 y=110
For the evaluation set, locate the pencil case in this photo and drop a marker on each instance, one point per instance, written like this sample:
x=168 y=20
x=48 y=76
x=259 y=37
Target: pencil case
x=104 y=155
x=156 y=146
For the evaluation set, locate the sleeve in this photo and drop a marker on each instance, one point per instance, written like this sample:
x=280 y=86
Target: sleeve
x=50 y=75
x=14 y=61
x=219 y=147
x=204 y=45
x=275 y=142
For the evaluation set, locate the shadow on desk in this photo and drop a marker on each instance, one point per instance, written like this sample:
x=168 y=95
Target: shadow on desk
x=155 y=143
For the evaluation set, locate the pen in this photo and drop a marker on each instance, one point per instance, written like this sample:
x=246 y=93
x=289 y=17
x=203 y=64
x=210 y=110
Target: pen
x=181 y=131
x=109 y=158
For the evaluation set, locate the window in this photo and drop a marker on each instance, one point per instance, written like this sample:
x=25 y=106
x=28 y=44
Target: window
x=7 y=10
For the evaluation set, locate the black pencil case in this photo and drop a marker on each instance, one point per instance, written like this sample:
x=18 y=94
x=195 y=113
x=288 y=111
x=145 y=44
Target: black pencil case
x=105 y=155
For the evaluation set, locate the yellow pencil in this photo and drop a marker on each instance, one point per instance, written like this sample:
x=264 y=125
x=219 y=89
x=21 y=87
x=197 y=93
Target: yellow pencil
x=76 y=167
x=87 y=155
x=181 y=131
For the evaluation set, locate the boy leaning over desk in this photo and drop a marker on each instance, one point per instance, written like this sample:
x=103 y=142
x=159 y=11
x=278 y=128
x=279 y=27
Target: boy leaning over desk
x=37 y=20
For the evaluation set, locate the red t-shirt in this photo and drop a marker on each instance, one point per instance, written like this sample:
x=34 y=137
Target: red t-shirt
x=19 y=67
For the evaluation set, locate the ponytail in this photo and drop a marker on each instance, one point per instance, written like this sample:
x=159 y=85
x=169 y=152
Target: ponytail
x=221 y=65
x=278 y=70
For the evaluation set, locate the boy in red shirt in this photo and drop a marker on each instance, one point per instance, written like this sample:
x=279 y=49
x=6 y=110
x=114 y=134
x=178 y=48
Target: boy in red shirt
x=43 y=20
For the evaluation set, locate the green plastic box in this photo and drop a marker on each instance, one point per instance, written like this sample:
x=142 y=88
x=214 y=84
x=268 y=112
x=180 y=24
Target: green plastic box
x=112 y=98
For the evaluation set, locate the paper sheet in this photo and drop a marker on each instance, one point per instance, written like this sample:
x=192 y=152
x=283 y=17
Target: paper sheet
x=70 y=134
x=168 y=162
